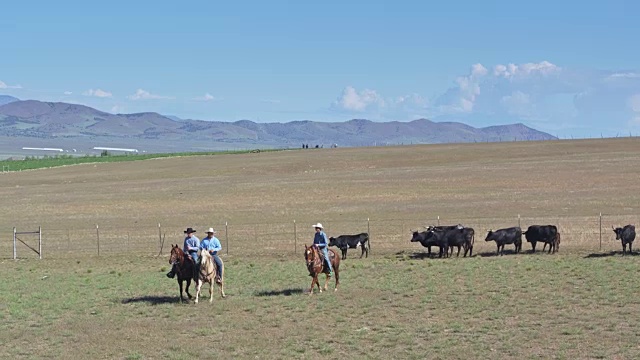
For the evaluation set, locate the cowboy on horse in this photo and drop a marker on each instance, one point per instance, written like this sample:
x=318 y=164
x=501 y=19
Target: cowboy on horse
x=212 y=245
x=191 y=247
x=320 y=240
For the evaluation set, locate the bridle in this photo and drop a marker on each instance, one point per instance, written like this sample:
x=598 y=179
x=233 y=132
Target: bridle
x=312 y=256
x=208 y=274
x=177 y=258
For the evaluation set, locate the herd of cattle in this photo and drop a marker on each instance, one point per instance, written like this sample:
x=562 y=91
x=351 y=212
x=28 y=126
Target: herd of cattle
x=446 y=238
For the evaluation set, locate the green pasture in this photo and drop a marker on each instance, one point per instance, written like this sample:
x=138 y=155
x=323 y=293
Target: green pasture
x=565 y=306
x=580 y=303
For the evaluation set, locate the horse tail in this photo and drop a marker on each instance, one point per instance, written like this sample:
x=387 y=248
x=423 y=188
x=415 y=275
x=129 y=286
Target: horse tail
x=221 y=269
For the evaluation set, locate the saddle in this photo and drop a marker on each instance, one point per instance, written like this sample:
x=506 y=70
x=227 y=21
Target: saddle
x=324 y=260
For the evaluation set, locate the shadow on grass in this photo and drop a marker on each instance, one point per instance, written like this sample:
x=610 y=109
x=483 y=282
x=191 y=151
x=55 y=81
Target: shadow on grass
x=285 y=292
x=403 y=255
x=493 y=253
x=608 y=254
x=152 y=300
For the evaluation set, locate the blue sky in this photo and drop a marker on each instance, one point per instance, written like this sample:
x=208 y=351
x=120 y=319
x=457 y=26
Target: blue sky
x=569 y=68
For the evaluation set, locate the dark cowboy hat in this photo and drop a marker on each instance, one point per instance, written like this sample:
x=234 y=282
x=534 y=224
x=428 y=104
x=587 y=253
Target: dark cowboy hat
x=189 y=230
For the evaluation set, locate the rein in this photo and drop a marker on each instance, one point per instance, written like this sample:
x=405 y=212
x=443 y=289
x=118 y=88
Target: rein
x=315 y=260
x=179 y=261
x=208 y=274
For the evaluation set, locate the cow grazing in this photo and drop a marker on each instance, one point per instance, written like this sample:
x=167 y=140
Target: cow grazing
x=344 y=242
x=427 y=239
x=626 y=235
x=504 y=237
x=547 y=234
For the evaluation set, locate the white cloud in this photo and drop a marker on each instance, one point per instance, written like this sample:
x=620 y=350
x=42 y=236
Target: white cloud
x=206 y=97
x=543 y=68
x=68 y=93
x=117 y=109
x=478 y=70
x=3 y=85
x=145 y=95
x=97 y=93
x=352 y=100
x=541 y=93
x=370 y=103
x=625 y=75
x=518 y=103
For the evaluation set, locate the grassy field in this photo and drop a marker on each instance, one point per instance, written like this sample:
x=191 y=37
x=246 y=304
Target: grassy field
x=579 y=303
x=45 y=162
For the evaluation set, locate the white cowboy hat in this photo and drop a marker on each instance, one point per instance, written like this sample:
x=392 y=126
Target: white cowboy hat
x=318 y=225
x=211 y=231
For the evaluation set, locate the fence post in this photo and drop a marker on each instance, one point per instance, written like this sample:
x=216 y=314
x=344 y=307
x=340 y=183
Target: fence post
x=98 y=238
x=438 y=220
x=600 y=231
x=369 y=232
x=226 y=235
x=519 y=220
x=295 y=238
x=160 y=237
x=40 y=242
x=15 y=254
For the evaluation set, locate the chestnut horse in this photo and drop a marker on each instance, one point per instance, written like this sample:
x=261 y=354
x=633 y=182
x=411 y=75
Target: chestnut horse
x=316 y=265
x=207 y=274
x=184 y=268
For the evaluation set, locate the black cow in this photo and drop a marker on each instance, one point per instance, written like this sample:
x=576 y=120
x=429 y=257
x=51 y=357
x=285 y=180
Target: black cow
x=344 y=242
x=427 y=239
x=547 y=234
x=455 y=236
x=557 y=243
x=444 y=228
x=503 y=237
x=626 y=235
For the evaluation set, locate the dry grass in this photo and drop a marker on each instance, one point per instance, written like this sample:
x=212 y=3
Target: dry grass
x=575 y=304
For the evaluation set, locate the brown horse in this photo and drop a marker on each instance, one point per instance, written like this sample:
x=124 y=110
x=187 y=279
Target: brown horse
x=184 y=268
x=316 y=265
x=207 y=274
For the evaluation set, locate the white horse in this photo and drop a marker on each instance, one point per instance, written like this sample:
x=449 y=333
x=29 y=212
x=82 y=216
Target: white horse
x=207 y=274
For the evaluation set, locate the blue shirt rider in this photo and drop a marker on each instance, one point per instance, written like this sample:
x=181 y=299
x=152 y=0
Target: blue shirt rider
x=211 y=244
x=191 y=246
x=320 y=239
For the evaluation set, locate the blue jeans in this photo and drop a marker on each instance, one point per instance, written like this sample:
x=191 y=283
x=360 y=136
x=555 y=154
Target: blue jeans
x=325 y=251
x=194 y=256
x=218 y=262
x=196 y=265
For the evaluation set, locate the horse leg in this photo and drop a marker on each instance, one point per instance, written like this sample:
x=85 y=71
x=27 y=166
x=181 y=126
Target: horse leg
x=198 y=288
x=180 y=285
x=313 y=282
x=335 y=269
x=222 y=283
x=326 y=282
x=187 y=289
x=222 y=294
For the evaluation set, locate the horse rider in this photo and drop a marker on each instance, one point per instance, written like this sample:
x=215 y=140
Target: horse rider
x=320 y=239
x=211 y=244
x=191 y=246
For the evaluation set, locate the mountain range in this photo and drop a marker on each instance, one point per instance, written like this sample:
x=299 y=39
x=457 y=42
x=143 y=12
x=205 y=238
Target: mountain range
x=31 y=119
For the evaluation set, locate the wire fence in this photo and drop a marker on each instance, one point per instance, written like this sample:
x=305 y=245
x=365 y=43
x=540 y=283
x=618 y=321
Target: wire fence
x=250 y=239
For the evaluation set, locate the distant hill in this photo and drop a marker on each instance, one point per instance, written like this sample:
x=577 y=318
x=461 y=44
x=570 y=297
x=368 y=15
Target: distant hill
x=46 y=120
x=5 y=99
